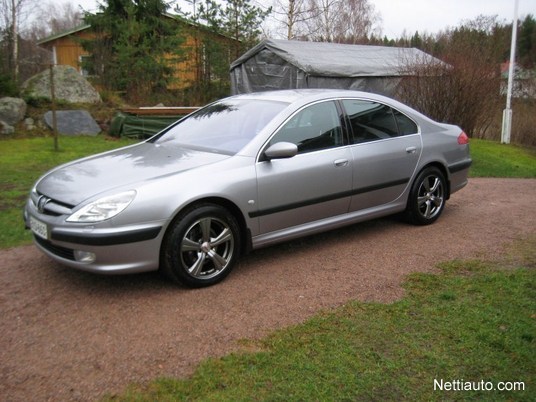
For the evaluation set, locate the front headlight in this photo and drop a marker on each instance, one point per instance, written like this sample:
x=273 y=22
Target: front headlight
x=104 y=208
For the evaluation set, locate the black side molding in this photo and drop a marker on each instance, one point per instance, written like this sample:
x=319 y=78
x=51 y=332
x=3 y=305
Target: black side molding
x=331 y=197
x=107 y=239
x=459 y=166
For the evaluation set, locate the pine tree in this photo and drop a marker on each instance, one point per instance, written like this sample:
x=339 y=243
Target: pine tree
x=135 y=46
x=527 y=42
x=230 y=27
x=241 y=20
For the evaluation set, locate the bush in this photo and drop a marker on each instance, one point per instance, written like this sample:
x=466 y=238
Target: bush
x=462 y=92
x=8 y=87
x=523 y=122
x=465 y=90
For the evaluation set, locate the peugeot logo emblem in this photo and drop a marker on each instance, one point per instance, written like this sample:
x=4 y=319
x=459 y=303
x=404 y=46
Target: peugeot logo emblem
x=41 y=202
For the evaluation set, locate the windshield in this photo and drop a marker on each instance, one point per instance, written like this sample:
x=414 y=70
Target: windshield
x=224 y=127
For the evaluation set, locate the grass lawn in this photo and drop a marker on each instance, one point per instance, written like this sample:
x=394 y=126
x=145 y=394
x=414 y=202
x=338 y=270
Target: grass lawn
x=473 y=322
x=492 y=159
x=23 y=161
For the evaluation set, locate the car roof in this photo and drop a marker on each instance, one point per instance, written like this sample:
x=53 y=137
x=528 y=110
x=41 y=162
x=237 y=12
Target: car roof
x=299 y=97
x=293 y=95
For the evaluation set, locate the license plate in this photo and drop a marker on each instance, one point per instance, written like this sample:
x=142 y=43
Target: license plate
x=38 y=227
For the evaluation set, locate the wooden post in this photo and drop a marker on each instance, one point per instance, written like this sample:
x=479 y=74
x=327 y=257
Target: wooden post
x=53 y=99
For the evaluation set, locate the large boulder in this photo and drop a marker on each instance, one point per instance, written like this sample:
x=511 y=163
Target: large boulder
x=12 y=110
x=69 y=85
x=6 y=129
x=73 y=122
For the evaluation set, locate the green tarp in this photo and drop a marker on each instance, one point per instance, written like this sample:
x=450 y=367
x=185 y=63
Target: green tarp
x=135 y=126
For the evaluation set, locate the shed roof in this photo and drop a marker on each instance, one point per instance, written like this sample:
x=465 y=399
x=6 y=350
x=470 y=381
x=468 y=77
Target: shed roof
x=85 y=26
x=341 y=60
x=63 y=34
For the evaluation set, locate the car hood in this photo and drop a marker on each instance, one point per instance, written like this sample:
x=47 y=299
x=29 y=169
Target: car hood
x=79 y=180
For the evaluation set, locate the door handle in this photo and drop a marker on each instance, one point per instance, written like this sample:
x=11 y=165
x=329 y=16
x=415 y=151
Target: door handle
x=341 y=162
x=411 y=150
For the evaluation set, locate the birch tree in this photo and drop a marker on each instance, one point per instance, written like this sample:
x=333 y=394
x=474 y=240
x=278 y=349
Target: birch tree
x=13 y=13
x=292 y=16
x=342 y=21
x=54 y=17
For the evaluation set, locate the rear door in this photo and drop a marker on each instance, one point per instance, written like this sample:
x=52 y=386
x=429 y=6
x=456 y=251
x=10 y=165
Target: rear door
x=386 y=147
x=313 y=185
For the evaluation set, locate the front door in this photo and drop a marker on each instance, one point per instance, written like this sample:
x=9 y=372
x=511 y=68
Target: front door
x=313 y=185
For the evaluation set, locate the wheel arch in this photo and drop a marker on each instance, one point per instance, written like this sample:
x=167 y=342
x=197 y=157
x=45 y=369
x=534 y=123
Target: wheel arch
x=442 y=168
x=413 y=212
x=245 y=236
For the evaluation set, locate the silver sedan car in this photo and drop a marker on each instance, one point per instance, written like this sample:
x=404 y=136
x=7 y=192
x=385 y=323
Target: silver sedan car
x=242 y=173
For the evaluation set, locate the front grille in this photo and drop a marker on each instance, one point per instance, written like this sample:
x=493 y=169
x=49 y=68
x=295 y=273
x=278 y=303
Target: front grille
x=49 y=206
x=62 y=252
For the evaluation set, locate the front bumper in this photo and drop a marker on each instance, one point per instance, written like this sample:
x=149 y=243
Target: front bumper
x=105 y=250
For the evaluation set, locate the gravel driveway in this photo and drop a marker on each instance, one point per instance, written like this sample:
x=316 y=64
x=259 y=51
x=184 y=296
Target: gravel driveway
x=67 y=335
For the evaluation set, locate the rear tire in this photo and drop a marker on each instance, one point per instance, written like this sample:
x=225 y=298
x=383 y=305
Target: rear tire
x=201 y=246
x=427 y=197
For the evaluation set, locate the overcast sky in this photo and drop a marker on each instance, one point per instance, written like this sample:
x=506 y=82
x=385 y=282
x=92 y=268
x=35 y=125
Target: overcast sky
x=433 y=16
x=429 y=16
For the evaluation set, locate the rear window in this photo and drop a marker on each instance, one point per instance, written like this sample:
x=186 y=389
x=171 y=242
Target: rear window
x=371 y=121
x=406 y=126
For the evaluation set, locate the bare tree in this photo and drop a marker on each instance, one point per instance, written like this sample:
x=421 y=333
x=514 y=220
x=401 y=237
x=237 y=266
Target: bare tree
x=63 y=17
x=292 y=15
x=342 y=21
x=357 y=21
x=55 y=18
x=463 y=90
x=22 y=23
x=13 y=14
x=323 y=15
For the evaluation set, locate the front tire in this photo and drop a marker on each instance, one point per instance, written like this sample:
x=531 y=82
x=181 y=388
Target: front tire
x=427 y=197
x=201 y=246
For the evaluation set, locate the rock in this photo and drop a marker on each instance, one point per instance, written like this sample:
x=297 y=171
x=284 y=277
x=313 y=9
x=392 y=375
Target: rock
x=29 y=124
x=69 y=86
x=6 y=129
x=41 y=124
x=12 y=110
x=74 y=122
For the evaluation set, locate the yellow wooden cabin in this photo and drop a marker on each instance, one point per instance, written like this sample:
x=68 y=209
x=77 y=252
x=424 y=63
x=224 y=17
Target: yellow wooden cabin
x=66 y=49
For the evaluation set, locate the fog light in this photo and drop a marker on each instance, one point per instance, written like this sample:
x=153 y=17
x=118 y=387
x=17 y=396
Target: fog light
x=84 y=256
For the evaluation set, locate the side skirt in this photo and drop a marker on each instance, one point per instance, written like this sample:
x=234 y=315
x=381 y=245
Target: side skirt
x=324 y=225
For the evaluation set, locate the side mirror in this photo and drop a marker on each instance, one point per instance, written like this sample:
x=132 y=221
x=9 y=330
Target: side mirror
x=281 y=150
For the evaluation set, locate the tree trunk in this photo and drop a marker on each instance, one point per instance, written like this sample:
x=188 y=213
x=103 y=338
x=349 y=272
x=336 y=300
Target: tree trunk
x=15 y=38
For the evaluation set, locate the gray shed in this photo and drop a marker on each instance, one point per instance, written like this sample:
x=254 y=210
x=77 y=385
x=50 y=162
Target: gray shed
x=282 y=64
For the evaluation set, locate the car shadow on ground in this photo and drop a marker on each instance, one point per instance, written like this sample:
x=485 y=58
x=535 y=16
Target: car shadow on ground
x=329 y=239
x=155 y=282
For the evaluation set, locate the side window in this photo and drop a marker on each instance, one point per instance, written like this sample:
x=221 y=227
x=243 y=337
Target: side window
x=370 y=121
x=406 y=126
x=314 y=128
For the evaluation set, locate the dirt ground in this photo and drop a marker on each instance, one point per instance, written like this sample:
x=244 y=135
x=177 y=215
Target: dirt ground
x=68 y=335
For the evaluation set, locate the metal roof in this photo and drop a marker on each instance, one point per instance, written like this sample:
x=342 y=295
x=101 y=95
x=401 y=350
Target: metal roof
x=342 y=60
x=62 y=34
